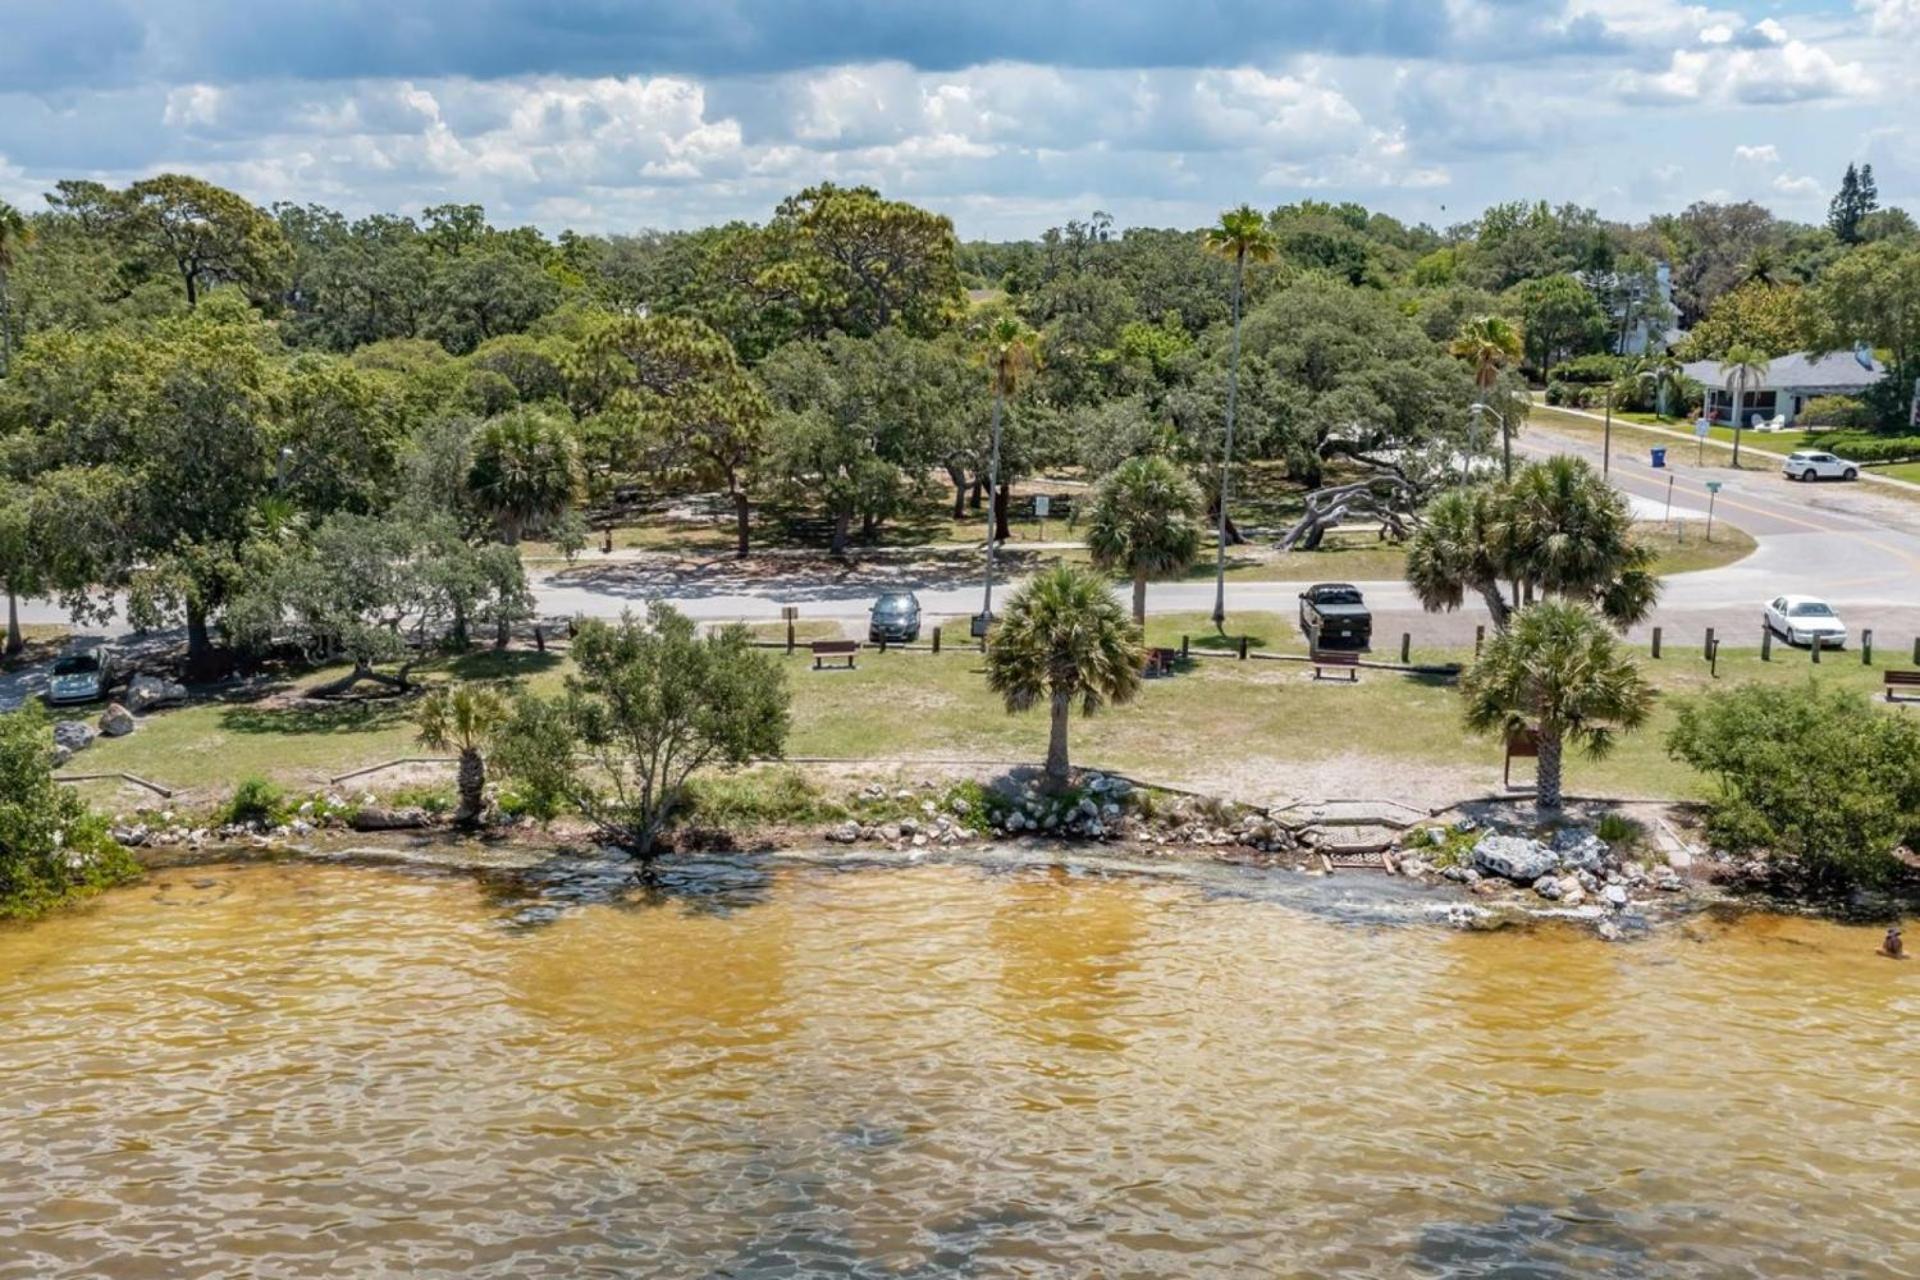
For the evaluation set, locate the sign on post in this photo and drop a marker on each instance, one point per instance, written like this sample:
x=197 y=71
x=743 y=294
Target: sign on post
x=1042 y=503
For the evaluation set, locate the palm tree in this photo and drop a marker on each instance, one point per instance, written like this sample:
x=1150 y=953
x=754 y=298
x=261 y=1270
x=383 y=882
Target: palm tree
x=1489 y=344
x=1010 y=350
x=1566 y=532
x=1560 y=672
x=16 y=233
x=1742 y=364
x=1143 y=524
x=525 y=471
x=1457 y=549
x=1669 y=379
x=1241 y=234
x=1065 y=639
x=1559 y=530
x=464 y=718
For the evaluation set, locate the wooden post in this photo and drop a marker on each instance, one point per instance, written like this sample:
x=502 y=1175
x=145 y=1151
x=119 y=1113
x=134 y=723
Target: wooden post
x=936 y=639
x=789 y=635
x=1479 y=638
x=1766 y=644
x=1706 y=650
x=1813 y=650
x=1406 y=647
x=1713 y=659
x=1185 y=650
x=1243 y=648
x=1656 y=642
x=1866 y=647
x=883 y=644
x=1916 y=651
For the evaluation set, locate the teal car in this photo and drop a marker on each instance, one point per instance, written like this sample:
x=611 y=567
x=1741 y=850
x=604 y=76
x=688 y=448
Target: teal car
x=80 y=675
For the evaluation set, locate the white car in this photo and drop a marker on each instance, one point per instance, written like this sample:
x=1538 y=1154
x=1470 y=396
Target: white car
x=1811 y=464
x=1804 y=619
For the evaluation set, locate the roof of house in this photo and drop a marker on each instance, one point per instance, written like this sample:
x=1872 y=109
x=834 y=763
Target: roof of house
x=1801 y=369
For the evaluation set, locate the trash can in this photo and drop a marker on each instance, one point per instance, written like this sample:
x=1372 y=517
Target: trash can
x=1659 y=459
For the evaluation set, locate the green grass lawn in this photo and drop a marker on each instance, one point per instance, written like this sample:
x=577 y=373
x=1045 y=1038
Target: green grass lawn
x=1251 y=723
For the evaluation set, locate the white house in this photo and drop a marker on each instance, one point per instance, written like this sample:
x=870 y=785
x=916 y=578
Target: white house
x=1790 y=382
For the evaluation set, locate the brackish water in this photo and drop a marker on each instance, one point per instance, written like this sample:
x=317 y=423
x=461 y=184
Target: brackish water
x=302 y=1070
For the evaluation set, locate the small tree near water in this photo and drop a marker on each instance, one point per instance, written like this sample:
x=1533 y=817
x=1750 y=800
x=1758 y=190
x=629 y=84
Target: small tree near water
x=1064 y=639
x=650 y=702
x=52 y=848
x=1559 y=672
x=466 y=718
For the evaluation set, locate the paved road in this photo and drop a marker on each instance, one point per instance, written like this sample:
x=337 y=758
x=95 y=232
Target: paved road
x=1858 y=547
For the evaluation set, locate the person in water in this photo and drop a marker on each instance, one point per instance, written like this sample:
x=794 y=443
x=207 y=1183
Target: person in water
x=1893 y=948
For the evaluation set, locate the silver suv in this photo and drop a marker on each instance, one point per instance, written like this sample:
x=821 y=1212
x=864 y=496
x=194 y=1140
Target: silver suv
x=1812 y=464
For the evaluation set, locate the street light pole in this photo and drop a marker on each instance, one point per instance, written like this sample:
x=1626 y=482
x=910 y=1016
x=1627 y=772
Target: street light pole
x=1506 y=444
x=993 y=492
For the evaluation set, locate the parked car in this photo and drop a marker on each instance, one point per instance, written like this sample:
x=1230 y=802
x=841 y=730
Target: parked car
x=82 y=674
x=1803 y=619
x=1812 y=464
x=895 y=618
x=1334 y=615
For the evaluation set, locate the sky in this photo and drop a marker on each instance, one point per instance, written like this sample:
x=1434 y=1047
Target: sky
x=621 y=115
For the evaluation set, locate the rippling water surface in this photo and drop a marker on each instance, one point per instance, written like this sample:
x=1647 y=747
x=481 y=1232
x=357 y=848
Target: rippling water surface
x=299 y=1071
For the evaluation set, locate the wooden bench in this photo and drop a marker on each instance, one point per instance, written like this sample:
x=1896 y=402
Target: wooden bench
x=1160 y=662
x=1340 y=659
x=836 y=649
x=1903 y=680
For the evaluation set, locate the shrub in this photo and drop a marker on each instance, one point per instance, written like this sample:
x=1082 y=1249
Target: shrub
x=255 y=800
x=1589 y=370
x=759 y=798
x=52 y=848
x=1836 y=411
x=1821 y=778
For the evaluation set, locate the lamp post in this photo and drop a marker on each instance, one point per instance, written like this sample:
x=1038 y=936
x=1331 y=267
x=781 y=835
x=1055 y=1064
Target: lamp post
x=1506 y=441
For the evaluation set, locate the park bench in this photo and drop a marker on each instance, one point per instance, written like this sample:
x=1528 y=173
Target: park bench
x=836 y=649
x=1160 y=662
x=1897 y=680
x=1324 y=658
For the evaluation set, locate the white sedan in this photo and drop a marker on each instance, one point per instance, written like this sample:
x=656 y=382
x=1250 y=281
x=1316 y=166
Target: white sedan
x=1803 y=620
x=1812 y=464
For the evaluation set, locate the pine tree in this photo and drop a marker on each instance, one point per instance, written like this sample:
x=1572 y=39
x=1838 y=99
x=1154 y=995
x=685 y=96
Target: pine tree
x=1858 y=197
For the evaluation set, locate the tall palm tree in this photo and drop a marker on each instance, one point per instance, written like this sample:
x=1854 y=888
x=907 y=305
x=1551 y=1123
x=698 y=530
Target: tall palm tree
x=1241 y=234
x=525 y=472
x=1010 y=350
x=16 y=233
x=465 y=718
x=1561 y=673
x=1489 y=344
x=1143 y=524
x=1743 y=364
x=1065 y=639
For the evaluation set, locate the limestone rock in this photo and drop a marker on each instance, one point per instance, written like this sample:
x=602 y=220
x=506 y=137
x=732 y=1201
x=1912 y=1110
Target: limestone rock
x=1514 y=858
x=1579 y=850
x=73 y=735
x=375 y=818
x=148 y=692
x=846 y=833
x=116 y=721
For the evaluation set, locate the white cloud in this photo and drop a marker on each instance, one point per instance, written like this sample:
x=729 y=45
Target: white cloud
x=1766 y=154
x=192 y=104
x=1787 y=184
x=1737 y=67
x=1892 y=18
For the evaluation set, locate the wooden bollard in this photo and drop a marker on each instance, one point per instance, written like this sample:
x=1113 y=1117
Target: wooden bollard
x=883 y=644
x=936 y=639
x=1713 y=659
x=1243 y=648
x=1406 y=647
x=1479 y=638
x=1866 y=647
x=1813 y=650
x=1186 y=649
x=789 y=635
x=1766 y=644
x=539 y=639
x=1916 y=651
x=1656 y=642
x=1706 y=650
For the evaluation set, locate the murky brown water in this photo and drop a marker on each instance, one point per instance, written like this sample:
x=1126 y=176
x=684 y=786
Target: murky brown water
x=302 y=1071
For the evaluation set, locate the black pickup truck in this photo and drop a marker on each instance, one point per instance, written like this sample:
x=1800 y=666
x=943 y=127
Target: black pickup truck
x=1334 y=616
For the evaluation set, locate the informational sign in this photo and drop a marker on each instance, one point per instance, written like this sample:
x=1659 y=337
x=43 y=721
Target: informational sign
x=1042 y=504
x=1713 y=486
x=1702 y=427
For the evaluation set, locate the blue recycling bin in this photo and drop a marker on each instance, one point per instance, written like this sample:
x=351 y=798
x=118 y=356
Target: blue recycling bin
x=1659 y=459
